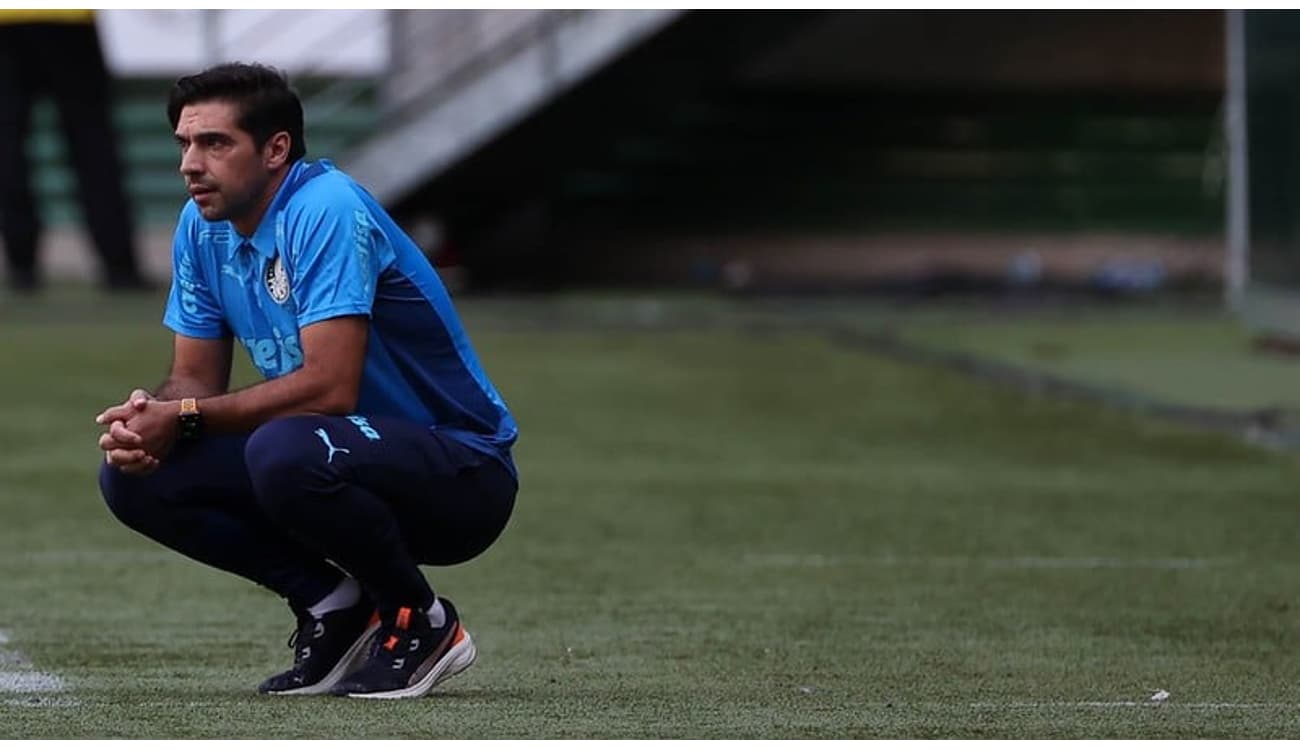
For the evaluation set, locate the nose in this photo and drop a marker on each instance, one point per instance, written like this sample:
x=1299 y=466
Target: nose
x=191 y=162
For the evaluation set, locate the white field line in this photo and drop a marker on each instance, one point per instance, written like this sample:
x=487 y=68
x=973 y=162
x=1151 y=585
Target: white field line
x=988 y=563
x=22 y=680
x=30 y=682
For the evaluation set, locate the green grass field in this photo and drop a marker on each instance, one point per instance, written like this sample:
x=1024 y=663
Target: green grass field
x=720 y=533
x=1207 y=361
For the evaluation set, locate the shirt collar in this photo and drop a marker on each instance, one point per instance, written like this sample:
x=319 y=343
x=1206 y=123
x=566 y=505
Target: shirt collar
x=263 y=239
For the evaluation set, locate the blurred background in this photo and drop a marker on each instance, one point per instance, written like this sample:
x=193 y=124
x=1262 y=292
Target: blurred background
x=763 y=151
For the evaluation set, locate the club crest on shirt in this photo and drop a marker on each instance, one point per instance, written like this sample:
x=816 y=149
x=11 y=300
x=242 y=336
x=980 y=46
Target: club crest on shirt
x=277 y=281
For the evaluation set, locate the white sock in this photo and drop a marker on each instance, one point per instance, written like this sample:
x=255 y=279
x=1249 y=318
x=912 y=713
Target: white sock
x=343 y=596
x=437 y=615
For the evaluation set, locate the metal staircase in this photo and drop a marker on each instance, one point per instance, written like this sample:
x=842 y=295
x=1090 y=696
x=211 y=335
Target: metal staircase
x=461 y=78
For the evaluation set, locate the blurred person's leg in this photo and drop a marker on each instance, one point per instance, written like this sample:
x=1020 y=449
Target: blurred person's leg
x=19 y=222
x=78 y=79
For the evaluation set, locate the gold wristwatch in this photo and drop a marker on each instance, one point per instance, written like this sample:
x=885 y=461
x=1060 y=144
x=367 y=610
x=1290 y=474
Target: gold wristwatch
x=191 y=421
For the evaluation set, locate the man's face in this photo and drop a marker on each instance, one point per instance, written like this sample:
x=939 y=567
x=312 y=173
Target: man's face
x=225 y=173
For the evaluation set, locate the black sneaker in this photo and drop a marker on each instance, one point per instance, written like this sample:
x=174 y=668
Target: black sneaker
x=324 y=650
x=409 y=656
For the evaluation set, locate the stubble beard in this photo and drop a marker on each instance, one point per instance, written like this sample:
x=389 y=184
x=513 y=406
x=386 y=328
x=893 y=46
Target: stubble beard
x=234 y=209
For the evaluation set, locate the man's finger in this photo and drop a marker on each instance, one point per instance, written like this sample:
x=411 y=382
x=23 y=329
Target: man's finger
x=123 y=457
x=108 y=443
x=114 y=413
x=118 y=436
x=134 y=403
x=123 y=436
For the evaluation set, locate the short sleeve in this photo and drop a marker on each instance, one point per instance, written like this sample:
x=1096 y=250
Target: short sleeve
x=192 y=306
x=332 y=265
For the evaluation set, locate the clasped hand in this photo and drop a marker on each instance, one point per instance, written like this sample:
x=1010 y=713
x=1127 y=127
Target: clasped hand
x=139 y=432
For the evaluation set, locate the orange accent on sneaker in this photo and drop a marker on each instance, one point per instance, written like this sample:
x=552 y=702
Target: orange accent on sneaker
x=391 y=643
x=404 y=618
x=460 y=634
x=374 y=618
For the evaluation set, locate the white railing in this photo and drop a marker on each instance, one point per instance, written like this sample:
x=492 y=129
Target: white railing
x=432 y=48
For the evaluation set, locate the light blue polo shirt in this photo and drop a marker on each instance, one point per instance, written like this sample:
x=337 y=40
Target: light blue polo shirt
x=324 y=249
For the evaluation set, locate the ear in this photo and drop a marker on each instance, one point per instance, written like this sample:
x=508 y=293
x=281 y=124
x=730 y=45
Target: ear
x=275 y=153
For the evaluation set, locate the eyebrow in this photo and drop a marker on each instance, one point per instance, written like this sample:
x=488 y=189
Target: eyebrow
x=203 y=134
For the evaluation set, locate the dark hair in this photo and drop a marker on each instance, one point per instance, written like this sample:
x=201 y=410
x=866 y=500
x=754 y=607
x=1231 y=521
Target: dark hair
x=266 y=103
